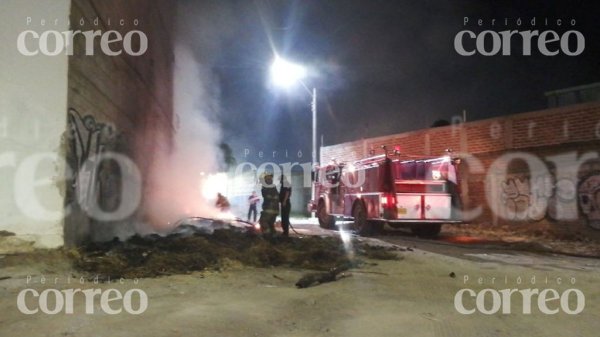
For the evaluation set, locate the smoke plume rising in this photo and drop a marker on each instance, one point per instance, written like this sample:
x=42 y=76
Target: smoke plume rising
x=176 y=177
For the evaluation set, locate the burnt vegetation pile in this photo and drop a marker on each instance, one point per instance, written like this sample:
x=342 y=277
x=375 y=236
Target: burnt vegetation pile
x=152 y=256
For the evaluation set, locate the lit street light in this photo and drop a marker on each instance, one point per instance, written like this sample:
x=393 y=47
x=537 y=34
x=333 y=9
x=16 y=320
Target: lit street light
x=284 y=74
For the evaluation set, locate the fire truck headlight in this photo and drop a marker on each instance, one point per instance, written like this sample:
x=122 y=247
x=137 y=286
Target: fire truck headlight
x=436 y=175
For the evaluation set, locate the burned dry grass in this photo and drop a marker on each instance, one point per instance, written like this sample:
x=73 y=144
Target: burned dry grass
x=153 y=256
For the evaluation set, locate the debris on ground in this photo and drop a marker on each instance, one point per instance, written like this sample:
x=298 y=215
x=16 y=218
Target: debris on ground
x=187 y=250
x=312 y=279
x=11 y=244
x=533 y=238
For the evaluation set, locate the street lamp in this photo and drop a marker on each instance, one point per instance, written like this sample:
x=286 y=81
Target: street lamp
x=285 y=74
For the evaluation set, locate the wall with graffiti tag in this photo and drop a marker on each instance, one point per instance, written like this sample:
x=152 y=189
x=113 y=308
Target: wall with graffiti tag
x=561 y=189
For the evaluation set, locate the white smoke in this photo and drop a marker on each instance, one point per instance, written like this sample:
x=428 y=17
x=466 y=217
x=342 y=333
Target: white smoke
x=176 y=177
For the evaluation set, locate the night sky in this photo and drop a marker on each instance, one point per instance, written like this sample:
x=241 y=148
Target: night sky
x=381 y=67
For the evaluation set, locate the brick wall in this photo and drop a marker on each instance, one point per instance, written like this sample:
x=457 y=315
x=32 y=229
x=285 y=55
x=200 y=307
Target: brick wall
x=125 y=100
x=554 y=196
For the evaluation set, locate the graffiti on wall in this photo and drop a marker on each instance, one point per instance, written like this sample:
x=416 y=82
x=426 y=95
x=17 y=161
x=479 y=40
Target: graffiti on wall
x=545 y=197
x=526 y=199
x=588 y=193
x=86 y=139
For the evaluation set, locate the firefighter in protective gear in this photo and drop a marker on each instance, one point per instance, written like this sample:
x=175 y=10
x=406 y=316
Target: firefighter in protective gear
x=222 y=203
x=270 y=207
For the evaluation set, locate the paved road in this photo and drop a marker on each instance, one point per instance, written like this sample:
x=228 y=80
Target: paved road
x=469 y=248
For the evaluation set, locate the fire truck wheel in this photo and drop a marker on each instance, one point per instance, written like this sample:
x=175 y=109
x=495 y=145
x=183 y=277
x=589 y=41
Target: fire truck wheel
x=361 y=225
x=326 y=220
x=427 y=231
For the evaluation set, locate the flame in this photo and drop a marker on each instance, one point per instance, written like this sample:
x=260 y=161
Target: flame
x=212 y=184
x=226 y=216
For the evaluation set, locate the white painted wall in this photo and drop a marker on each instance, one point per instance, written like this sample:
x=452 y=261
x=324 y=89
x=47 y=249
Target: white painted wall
x=33 y=106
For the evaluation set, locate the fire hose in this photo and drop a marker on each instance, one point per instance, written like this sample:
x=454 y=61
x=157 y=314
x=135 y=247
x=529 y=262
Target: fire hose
x=293 y=229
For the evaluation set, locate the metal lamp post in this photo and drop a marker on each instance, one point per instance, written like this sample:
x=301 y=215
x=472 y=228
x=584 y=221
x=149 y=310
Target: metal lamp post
x=285 y=74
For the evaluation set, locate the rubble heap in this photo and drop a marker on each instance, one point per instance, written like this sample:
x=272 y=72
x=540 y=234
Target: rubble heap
x=154 y=255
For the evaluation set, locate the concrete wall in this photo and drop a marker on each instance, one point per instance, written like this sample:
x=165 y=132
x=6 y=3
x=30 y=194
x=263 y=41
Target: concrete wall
x=558 y=195
x=33 y=105
x=128 y=102
x=74 y=107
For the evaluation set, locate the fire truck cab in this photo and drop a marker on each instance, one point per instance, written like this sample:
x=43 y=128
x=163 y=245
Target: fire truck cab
x=421 y=194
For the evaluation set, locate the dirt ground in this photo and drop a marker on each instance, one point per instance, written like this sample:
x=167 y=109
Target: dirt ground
x=577 y=243
x=411 y=296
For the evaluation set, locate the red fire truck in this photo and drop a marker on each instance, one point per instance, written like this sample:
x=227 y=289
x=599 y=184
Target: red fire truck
x=419 y=193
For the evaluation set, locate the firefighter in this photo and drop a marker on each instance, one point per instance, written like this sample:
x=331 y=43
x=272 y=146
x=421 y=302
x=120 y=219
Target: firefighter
x=222 y=203
x=285 y=193
x=253 y=200
x=270 y=207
